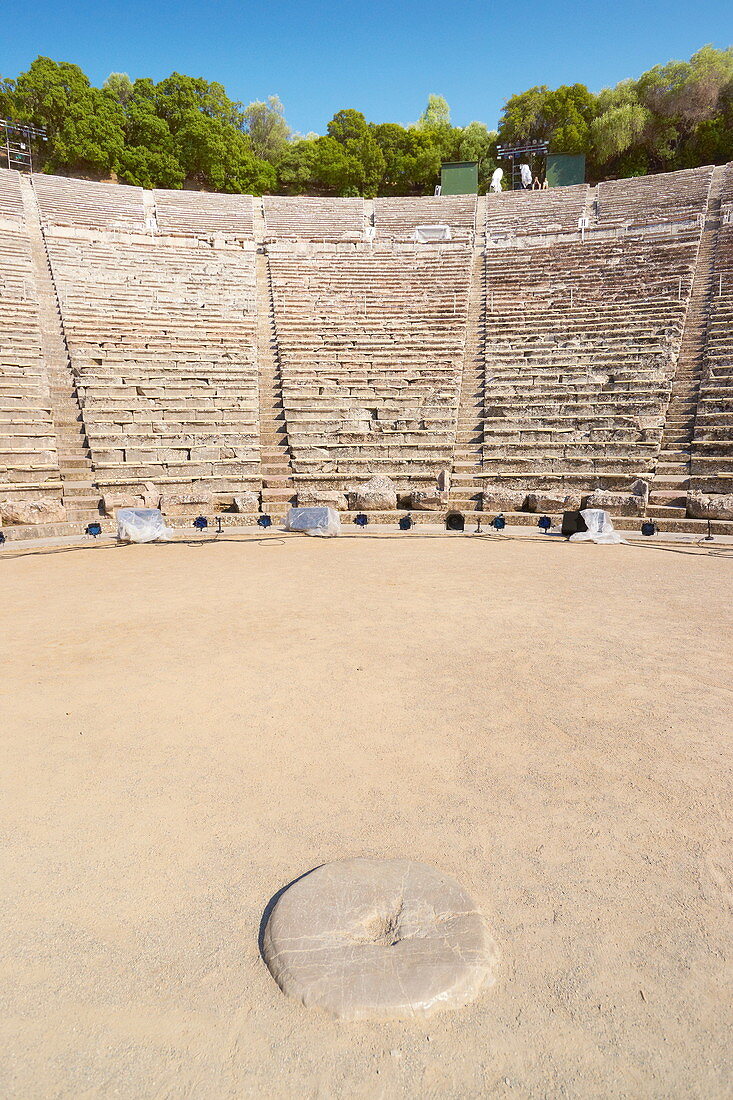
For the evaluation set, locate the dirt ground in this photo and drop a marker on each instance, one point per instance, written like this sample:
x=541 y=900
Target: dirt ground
x=186 y=729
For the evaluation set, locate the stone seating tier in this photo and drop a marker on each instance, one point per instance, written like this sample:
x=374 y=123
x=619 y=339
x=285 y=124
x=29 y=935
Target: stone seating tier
x=28 y=446
x=189 y=213
x=579 y=340
x=11 y=200
x=398 y=218
x=711 y=465
x=371 y=342
x=84 y=203
x=643 y=199
x=313 y=219
x=528 y=212
x=580 y=348
x=163 y=334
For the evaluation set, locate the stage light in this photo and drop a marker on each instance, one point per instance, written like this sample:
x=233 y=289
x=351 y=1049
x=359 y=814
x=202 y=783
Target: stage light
x=405 y=523
x=544 y=523
x=454 y=521
x=361 y=520
x=94 y=529
x=498 y=522
x=264 y=521
x=201 y=523
x=649 y=527
x=2 y=539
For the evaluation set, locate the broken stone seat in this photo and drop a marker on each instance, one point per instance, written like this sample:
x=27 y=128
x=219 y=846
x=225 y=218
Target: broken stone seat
x=188 y=483
x=171 y=436
x=28 y=454
x=605 y=429
x=404 y=477
x=305 y=456
x=607 y=397
x=712 y=482
x=704 y=464
x=156 y=454
x=31 y=489
x=225 y=469
x=28 y=471
x=562 y=481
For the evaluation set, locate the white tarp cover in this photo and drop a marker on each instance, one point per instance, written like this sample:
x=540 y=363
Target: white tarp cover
x=526 y=174
x=600 y=528
x=313 y=521
x=425 y=233
x=496 y=179
x=141 y=525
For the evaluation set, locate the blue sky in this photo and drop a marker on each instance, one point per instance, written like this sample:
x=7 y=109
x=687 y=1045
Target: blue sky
x=382 y=57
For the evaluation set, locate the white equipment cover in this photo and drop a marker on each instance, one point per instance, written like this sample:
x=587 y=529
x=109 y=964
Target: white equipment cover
x=425 y=233
x=600 y=528
x=142 y=525
x=496 y=179
x=526 y=173
x=314 y=521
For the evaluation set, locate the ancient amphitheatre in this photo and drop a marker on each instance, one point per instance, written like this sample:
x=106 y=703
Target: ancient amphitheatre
x=191 y=726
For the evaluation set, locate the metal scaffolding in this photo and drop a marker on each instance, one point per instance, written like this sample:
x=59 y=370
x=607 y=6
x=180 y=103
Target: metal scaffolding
x=513 y=153
x=17 y=143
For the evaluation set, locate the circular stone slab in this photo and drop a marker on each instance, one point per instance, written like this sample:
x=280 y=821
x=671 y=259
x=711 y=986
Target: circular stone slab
x=378 y=938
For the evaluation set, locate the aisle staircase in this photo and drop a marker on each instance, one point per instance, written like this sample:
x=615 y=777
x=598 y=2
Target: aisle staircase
x=465 y=492
x=671 y=480
x=80 y=495
x=275 y=460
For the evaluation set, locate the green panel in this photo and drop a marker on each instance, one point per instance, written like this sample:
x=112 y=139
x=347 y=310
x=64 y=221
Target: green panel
x=459 y=177
x=564 y=171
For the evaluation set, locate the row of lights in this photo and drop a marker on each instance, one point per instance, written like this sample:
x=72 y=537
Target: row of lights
x=455 y=521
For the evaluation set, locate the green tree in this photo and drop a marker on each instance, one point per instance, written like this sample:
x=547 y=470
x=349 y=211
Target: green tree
x=215 y=155
x=267 y=129
x=348 y=125
x=120 y=87
x=436 y=115
x=295 y=168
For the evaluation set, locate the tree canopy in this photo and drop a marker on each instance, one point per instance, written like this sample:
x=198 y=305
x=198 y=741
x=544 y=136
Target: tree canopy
x=186 y=131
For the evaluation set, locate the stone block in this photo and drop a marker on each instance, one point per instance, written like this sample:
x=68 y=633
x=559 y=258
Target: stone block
x=632 y=503
x=429 y=500
x=553 y=502
x=187 y=503
x=246 y=501
x=322 y=498
x=19 y=512
x=377 y=494
x=378 y=939
x=495 y=498
x=710 y=505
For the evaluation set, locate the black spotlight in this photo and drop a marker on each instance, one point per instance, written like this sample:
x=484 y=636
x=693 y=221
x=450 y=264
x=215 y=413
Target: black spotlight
x=94 y=529
x=405 y=523
x=649 y=527
x=264 y=521
x=498 y=522
x=544 y=523
x=201 y=523
x=2 y=539
x=361 y=520
x=454 y=521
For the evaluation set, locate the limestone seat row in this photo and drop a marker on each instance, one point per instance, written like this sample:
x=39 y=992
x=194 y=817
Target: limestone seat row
x=580 y=346
x=371 y=342
x=162 y=342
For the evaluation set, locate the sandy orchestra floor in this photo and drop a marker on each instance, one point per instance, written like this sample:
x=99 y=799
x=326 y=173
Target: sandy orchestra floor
x=188 y=728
